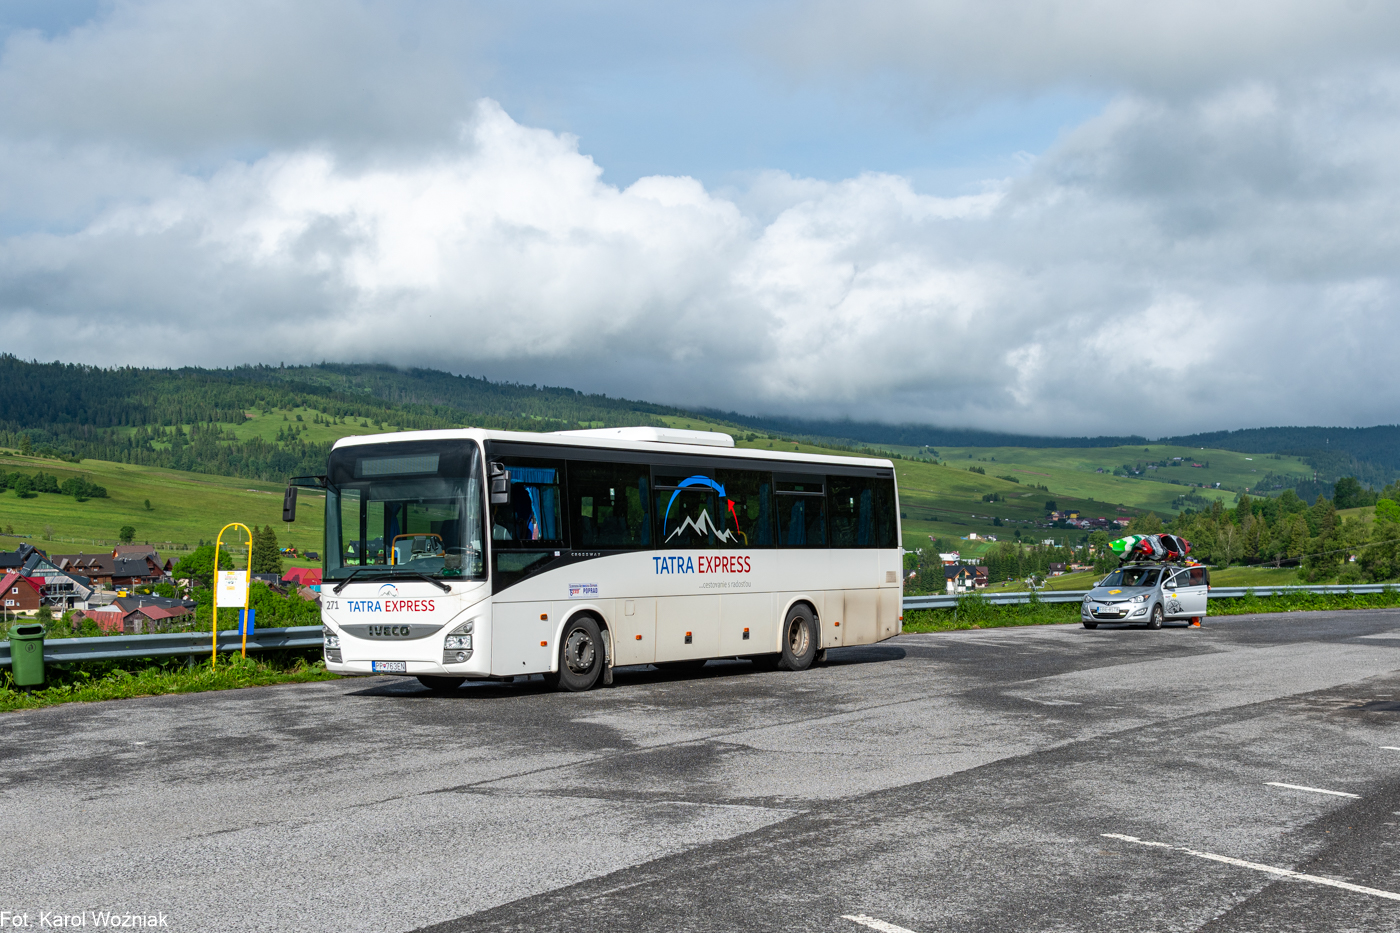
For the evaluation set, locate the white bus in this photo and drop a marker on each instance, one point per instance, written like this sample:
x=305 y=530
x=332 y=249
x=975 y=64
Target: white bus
x=494 y=555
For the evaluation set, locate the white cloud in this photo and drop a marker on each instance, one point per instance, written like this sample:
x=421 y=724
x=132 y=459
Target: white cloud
x=1221 y=258
x=1027 y=45
x=191 y=76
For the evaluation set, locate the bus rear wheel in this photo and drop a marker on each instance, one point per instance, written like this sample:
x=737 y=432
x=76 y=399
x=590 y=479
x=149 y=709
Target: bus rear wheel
x=440 y=684
x=799 y=639
x=581 y=655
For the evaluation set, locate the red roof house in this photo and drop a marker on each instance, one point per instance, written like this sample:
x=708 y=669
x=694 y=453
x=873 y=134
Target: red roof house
x=20 y=594
x=303 y=576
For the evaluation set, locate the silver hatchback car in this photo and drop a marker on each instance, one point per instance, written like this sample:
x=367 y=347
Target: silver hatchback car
x=1149 y=594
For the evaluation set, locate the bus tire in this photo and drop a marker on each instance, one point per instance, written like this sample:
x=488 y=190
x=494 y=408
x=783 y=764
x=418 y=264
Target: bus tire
x=581 y=655
x=440 y=684
x=799 y=639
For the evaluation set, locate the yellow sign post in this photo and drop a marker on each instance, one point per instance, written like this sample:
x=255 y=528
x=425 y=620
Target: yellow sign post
x=230 y=588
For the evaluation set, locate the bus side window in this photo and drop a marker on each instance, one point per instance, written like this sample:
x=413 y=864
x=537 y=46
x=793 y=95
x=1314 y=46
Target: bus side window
x=747 y=507
x=687 y=509
x=862 y=512
x=532 y=517
x=801 y=511
x=886 y=521
x=608 y=505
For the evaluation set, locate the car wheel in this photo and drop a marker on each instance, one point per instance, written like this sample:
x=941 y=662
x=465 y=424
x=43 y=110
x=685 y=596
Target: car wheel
x=1091 y=625
x=799 y=639
x=1154 y=620
x=440 y=684
x=581 y=656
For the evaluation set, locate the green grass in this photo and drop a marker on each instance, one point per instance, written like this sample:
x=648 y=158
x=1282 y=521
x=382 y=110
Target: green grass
x=1255 y=576
x=97 y=681
x=185 y=507
x=974 y=613
x=1304 y=602
x=1072 y=470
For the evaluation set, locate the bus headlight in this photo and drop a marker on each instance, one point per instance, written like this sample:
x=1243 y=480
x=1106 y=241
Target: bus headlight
x=457 y=647
x=330 y=644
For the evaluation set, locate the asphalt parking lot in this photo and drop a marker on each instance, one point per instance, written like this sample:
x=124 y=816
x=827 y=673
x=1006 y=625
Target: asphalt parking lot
x=1245 y=776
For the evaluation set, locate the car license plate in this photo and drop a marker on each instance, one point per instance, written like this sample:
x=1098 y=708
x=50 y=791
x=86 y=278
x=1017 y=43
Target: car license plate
x=389 y=667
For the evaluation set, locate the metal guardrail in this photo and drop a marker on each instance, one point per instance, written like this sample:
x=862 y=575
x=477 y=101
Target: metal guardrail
x=1074 y=596
x=172 y=644
x=195 y=644
x=1235 y=592
x=994 y=599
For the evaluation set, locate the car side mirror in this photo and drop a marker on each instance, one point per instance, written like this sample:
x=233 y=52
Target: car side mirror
x=289 y=504
x=499 y=478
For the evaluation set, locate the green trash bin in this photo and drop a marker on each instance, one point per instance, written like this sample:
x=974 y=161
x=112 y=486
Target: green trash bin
x=27 y=655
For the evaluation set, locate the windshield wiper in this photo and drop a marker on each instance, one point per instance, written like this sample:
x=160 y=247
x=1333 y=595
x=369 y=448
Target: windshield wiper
x=393 y=574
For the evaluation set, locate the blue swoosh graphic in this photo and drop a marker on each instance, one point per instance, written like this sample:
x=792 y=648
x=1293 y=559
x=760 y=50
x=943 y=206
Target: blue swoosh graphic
x=688 y=481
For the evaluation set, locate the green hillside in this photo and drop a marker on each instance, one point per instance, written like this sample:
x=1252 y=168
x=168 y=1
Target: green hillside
x=185 y=508
x=211 y=446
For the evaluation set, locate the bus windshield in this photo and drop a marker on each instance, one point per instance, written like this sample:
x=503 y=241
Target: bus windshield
x=411 y=507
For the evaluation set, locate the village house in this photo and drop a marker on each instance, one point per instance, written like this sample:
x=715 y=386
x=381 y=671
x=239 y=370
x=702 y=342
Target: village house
x=137 y=615
x=979 y=580
x=19 y=593
x=958 y=579
x=303 y=576
x=57 y=588
x=122 y=568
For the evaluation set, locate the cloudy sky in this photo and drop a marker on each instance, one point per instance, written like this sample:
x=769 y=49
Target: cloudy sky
x=1055 y=216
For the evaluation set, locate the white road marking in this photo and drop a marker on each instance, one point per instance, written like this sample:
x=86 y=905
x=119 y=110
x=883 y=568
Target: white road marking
x=1241 y=863
x=1391 y=748
x=1314 y=790
x=874 y=924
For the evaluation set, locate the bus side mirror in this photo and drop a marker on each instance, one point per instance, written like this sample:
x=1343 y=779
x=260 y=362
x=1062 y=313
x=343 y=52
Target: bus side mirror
x=500 y=483
x=289 y=504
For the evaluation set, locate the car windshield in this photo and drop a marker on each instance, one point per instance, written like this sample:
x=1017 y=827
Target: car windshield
x=412 y=507
x=1132 y=576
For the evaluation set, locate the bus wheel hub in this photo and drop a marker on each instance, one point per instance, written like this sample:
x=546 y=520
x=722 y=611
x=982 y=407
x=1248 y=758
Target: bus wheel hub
x=578 y=649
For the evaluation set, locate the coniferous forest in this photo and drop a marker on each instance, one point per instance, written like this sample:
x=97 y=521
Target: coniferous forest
x=179 y=418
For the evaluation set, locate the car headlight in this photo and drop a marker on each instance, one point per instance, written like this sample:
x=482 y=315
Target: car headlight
x=1139 y=599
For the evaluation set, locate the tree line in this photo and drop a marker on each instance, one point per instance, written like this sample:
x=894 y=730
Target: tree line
x=179 y=418
x=1284 y=531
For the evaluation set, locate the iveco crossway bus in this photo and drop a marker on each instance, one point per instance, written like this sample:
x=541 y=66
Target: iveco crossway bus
x=494 y=555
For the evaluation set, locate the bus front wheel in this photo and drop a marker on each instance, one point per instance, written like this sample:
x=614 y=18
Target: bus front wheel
x=799 y=639
x=581 y=655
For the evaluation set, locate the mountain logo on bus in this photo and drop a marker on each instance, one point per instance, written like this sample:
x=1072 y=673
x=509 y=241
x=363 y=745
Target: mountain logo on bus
x=703 y=525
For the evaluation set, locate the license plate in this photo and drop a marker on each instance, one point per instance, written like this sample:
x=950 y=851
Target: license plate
x=389 y=667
